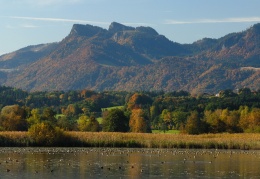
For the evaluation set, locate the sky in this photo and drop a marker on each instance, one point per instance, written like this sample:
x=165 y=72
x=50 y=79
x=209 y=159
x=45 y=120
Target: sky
x=32 y=22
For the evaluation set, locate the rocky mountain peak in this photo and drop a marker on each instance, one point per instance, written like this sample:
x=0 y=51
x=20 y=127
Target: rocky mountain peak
x=254 y=30
x=116 y=27
x=147 y=30
x=257 y=27
x=86 y=30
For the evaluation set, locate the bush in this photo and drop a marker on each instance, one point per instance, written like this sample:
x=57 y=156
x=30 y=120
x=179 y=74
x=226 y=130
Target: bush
x=44 y=134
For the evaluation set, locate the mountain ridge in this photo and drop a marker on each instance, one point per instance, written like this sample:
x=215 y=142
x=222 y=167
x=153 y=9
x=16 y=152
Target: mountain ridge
x=136 y=58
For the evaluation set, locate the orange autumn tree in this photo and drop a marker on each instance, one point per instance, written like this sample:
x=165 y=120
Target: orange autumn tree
x=138 y=100
x=250 y=120
x=139 y=122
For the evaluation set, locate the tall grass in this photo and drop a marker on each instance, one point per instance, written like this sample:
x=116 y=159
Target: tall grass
x=104 y=139
x=207 y=141
x=14 y=139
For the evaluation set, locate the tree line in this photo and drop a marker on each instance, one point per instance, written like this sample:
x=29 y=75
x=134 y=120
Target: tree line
x=228 y=111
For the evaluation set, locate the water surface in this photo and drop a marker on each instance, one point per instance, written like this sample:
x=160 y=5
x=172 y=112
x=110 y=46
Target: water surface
x=127 y=163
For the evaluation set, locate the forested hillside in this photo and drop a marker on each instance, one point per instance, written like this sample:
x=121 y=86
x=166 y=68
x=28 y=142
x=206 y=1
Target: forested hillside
x=133 y=59
x=111 y=111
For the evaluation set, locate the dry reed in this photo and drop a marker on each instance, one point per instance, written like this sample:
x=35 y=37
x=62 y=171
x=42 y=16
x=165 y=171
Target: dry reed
x=218 y=141
x=111 y=139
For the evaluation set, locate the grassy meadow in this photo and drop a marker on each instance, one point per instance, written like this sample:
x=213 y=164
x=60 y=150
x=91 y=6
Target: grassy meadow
x=110 y=108
x=241 y=141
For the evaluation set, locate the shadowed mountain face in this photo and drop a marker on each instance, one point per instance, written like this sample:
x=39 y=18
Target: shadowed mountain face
x=25 y=56
x=128 y=58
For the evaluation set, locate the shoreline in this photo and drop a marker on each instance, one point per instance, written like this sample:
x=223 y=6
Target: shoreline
x=242 y=141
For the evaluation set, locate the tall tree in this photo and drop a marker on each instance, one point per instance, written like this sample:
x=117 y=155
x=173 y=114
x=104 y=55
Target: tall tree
x=49 y=115
x=231 y=120
x=92 y=124
x=214 y=121
x=167 y=118
x=139 y=121
x=88 y=124
x=65 y=123
x=254 y=120
x=12 y=118
x=138 y=101
x=179 y=118
x=72 y=110
x=244 y=114
x=34 y=118
x=193 y=125
x=82 y=123
x=115 y=121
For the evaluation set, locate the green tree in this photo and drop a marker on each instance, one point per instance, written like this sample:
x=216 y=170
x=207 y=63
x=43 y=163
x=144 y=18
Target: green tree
x=216 y=125
x=88 y=124
x=34 y=118
x=115 y=121
x=193 y=125
x=244 y=114
x=92 y=124
x=231 y=120
x=49 y=115
x=227 y=93
x=179 y=118
x=244 y=92
x=167 y=118
x=65 y=123
x=154 y=111
x=82 y=122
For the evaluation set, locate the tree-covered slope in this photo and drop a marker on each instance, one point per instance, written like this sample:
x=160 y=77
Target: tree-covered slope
x=128 y=58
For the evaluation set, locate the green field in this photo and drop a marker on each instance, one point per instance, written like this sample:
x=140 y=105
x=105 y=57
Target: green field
x=100 y=120
x=110 y=108
x=57 y=116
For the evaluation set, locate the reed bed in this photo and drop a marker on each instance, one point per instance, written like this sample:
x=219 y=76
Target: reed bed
x=207 y=141
x=14 y=139
x=241 y=141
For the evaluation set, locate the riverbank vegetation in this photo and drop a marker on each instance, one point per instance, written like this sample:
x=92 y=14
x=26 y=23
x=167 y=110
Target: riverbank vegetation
x=245 y=141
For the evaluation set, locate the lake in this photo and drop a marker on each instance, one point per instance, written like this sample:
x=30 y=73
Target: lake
x=127 y=163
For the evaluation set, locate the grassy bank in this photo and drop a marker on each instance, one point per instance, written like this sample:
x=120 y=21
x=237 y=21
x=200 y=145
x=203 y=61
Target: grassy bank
x=103 y=139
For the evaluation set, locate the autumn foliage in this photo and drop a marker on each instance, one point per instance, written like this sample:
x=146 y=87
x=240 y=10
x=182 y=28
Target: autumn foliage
x=139 y=121
x=140 y=112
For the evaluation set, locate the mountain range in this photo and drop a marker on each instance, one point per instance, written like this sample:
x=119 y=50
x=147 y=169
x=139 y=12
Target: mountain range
x=135 y=59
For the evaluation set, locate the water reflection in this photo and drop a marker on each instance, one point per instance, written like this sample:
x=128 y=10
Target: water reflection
x=127 y=163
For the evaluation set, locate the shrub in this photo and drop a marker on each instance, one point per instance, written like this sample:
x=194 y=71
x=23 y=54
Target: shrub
x=44 y=134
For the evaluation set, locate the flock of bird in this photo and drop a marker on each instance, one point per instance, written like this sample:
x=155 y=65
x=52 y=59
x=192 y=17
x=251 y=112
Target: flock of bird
x=123 y=158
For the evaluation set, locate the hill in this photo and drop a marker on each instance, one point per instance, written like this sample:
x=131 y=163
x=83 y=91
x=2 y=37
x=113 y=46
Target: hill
x=127 y=58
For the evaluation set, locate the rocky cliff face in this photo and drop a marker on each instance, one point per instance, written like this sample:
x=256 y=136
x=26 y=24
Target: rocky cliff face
x=116 y=27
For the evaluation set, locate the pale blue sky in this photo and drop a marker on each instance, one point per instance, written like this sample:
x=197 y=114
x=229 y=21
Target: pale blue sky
x=31 y=22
